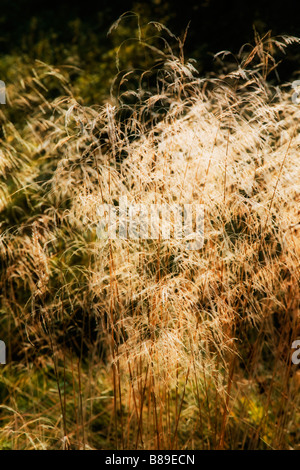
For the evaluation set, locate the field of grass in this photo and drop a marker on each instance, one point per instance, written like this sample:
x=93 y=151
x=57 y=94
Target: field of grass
x=145 y=344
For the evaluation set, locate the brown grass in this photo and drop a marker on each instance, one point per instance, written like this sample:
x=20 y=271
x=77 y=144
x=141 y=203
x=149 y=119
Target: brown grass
x=129 y=344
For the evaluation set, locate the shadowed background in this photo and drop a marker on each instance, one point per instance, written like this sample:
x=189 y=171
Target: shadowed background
x=76 y=32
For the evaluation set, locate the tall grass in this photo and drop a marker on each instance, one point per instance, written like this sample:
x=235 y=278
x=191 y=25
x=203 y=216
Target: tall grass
x=124 y=344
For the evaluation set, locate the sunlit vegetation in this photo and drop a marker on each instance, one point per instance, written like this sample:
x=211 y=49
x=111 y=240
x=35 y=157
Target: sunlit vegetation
x=124 y=344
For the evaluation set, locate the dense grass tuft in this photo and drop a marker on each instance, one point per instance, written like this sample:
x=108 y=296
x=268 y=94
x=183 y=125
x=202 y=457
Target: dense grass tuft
x=143 y=343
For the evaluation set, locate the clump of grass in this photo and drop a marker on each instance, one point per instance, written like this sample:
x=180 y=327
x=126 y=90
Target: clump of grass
x=144 y=343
